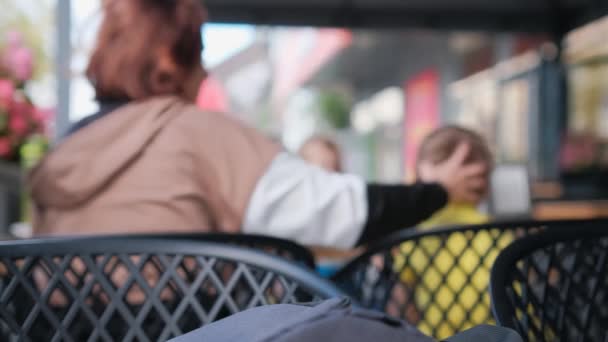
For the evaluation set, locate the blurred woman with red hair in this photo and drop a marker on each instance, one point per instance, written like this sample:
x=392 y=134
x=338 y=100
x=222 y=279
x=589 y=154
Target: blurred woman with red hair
x=151 y=161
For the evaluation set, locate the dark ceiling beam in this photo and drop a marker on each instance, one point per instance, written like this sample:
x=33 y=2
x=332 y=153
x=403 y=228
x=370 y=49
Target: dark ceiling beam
x=520 y=21
x=523 y=21
x=558 y=20
x=595 y=9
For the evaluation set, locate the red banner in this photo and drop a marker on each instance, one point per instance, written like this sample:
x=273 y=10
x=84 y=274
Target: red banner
x=212 y=96
x=422 y=96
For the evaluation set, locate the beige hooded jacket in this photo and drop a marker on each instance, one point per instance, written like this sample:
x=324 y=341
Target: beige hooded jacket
x=160 y=165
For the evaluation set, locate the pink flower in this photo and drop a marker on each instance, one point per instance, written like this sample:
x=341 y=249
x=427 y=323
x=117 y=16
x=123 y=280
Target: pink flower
x=20 y=62
x=41 y=119
x=20 y=106
x=43 y=116
x=7 y=91
x=5 y=147
x=19 y=117
x=14 y=39
x=17 y=125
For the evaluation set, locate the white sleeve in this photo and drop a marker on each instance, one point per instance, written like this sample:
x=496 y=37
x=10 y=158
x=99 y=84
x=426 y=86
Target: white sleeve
x=301 y=202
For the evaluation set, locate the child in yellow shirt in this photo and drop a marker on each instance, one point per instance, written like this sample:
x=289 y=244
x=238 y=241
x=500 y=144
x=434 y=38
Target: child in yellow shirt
x=434 y=294
x=436 y=148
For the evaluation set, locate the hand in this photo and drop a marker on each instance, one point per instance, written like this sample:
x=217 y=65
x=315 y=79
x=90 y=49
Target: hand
x=464 y=183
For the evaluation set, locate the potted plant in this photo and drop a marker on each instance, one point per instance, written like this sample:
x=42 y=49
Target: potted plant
x=23 y=126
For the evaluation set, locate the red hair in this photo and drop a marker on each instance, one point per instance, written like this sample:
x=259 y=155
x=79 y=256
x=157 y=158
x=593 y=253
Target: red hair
x=134 y=37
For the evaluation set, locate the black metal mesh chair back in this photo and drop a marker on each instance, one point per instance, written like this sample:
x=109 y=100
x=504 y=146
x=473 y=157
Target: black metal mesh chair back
x=283 y=248
x=137 y=289
x=437 y=280
x=554 y=286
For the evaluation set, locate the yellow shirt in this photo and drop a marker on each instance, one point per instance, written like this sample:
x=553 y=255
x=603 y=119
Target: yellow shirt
x=432 y=259
x=456 y=214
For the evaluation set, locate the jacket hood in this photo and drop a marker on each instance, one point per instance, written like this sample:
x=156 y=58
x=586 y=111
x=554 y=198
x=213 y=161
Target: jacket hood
x=83 y=164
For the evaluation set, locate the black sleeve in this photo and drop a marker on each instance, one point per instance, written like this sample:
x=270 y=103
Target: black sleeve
x=393 y=207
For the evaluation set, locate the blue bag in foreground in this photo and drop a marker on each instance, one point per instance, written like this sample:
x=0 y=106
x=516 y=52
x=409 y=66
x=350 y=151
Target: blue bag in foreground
x=331 y=320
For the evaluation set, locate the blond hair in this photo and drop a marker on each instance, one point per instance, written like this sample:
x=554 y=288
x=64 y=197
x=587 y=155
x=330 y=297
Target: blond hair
x=438 y=146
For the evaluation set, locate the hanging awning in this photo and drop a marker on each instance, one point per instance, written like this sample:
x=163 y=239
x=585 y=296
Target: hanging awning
x=550 y=16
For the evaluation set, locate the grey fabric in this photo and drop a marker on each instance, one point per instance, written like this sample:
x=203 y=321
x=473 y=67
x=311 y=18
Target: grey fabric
x=487 y=333
x=331 y=320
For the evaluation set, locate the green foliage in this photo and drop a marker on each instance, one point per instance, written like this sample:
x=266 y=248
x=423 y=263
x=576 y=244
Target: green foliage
x=335 y=108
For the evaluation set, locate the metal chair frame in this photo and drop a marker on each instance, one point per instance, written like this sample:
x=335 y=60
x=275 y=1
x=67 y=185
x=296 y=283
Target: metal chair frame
x=382 y=286
x=553 y=286
x=194 y=283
